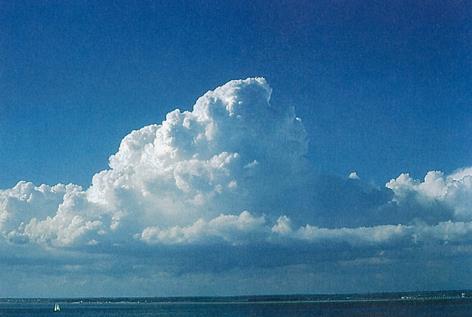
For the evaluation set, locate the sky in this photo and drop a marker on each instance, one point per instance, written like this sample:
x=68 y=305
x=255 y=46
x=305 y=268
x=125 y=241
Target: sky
x=154 y=148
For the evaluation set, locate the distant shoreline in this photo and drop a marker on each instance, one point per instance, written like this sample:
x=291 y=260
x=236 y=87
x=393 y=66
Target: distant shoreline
x=255 y=299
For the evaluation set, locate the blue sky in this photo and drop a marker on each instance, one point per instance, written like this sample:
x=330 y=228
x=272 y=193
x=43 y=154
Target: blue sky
x=381 y=88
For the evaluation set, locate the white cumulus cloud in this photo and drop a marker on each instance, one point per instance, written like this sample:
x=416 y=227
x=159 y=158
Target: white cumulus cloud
x=353 y=175
x=222 y=156
x=453 y=190
x=234 y=229
x=232 y=170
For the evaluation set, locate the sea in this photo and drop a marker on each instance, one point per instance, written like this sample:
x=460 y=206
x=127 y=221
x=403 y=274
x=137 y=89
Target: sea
x=417 y=304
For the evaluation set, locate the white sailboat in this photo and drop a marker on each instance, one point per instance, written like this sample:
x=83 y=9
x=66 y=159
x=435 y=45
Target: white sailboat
x=57 y=308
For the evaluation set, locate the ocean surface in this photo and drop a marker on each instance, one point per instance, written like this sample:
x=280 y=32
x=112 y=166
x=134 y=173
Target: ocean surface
x=403 y=306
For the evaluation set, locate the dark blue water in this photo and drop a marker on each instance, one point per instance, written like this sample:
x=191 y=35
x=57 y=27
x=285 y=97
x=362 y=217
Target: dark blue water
x=388 y=308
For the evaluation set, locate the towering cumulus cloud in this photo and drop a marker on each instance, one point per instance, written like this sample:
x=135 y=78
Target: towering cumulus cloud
x=233 y=172
x=234 y=152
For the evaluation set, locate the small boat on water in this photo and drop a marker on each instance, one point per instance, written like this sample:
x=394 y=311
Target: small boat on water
x=57 y=308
